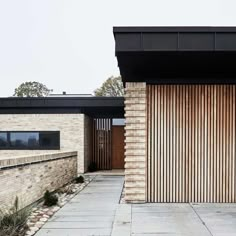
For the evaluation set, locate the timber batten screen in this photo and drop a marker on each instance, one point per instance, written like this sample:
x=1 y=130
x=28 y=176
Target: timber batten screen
x=191 y=143
x=102 y=143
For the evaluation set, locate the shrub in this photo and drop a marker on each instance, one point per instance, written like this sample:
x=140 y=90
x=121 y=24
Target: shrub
x=50 y=199
x=14 y=221
x=92 y=167
x=79 y=179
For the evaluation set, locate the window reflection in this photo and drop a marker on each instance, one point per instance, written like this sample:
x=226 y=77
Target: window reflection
x=26 y=139
x=3 y=139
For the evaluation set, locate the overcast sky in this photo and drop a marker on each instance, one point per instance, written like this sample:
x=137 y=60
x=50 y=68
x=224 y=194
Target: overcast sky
x=68 y=44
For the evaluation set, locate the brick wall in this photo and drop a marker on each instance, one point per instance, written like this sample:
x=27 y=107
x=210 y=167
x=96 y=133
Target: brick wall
x=71 y=126
x=29 y=177
x=135 y=142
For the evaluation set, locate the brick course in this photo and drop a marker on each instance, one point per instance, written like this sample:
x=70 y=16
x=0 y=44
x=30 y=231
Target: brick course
x=135 y=142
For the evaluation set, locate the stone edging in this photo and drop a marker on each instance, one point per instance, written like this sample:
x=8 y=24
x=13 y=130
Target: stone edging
x=122 y=196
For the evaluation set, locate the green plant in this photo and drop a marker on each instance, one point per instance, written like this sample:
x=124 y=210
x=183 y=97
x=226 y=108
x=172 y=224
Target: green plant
x=50 y=199
x=92 y=167
x=14 y=221
x=79 y=179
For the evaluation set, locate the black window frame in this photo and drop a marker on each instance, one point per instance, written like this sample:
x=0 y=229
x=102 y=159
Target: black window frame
x=40 y=147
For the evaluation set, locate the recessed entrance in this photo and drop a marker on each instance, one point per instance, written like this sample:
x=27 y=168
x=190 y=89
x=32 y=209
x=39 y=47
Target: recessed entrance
x=108 y=144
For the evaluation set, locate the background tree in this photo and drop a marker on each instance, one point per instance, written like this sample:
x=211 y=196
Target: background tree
x=112 y=87
x=32 y=89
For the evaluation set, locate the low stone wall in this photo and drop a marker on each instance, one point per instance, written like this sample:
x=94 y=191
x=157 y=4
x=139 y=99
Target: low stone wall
x=30 y=176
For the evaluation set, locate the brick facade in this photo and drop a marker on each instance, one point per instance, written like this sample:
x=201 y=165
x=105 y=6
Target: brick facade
x=74 y=132
x=135 y=142
x=29 y=177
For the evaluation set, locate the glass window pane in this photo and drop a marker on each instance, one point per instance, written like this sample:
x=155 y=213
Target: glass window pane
x=24 y=139
x=118 y=122
x=3 y=139
x=49 y=140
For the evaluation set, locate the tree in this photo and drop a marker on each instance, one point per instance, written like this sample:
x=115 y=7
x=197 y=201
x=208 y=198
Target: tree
x=112 y=87
x=32 y=89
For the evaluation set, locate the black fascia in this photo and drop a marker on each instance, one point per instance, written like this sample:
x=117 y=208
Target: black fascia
x=151 y=29
x=176 y=54
x=93 y=106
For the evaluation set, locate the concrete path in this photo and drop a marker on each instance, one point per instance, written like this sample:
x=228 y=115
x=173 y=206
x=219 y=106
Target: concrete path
x=96 y=211
x=91 y=212
x=183 y=219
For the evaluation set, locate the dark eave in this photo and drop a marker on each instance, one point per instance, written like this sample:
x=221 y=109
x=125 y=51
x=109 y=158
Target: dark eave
x=93 y=106
x=176 y=54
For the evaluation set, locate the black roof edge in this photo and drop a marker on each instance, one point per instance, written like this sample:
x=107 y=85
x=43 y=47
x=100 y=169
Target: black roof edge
x=153 y=29
x=63 y=98
x=53 y=102
x=92 y=106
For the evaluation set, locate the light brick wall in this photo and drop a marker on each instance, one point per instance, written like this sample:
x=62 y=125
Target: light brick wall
x=30 y=181
x=135 y=142
x=71 y=127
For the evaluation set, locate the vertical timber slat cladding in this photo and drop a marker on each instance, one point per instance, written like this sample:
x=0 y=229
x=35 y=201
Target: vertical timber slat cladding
x=191 y=132
x=102 y=143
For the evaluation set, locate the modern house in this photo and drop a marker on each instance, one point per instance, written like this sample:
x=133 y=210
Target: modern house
x=179 y=109
x=51 y=124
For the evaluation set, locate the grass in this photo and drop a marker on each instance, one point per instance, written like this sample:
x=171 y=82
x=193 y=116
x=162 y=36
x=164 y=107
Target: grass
x=14 y=221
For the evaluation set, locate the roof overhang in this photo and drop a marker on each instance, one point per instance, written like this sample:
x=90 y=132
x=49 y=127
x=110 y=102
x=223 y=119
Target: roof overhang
x=97 y=107
x=176 y=54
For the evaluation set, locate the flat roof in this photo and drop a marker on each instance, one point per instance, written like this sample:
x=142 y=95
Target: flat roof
x=96 y=107
x=176 y=54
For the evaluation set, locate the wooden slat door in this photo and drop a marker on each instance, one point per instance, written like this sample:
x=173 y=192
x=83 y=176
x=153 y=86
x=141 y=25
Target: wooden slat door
x=118 y=147
x=191 y=143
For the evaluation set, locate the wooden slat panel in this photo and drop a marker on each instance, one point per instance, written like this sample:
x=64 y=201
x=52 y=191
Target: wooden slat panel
x=191 y=143
x=102 y=143
x=149 y=146
x=233 y=145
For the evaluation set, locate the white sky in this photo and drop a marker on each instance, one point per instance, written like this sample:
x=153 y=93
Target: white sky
x=68 y=44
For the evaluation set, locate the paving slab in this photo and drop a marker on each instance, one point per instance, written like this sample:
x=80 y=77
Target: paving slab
x=91 y=212
x=81 y=218
x=74 y=232
x=219 y=218
x=122 y=221
x=166 y=219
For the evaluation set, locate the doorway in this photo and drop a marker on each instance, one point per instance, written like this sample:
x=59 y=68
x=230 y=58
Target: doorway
x=118 y=147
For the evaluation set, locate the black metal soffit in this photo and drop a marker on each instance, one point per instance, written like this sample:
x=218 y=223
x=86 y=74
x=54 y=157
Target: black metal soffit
x=176 y=54
x=112 y=107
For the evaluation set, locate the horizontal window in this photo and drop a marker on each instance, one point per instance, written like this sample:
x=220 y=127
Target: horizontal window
x=35 y=140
